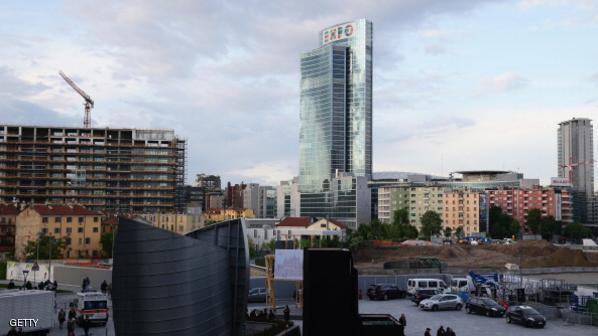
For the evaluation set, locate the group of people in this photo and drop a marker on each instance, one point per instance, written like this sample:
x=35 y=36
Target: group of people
x=47 y=285
x=70 y=320
x=441 y=332
x=268 y=314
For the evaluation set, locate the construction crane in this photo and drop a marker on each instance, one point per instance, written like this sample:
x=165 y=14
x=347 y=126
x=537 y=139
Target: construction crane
x=573 y=165
x=88 y=101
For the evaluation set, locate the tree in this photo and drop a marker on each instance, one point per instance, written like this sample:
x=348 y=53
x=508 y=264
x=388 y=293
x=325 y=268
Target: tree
x=447 y=232
x=534 y=221
x=459 y=232
x=431 y=224
x=107 y=240
x=271 y=245
x=47 y=244
x=502 y=225
x=252 y=249
x=577 y=231
x=401 y=217
x=549 y=227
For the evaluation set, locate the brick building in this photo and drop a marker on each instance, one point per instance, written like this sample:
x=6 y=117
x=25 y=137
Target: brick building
x=8 y=217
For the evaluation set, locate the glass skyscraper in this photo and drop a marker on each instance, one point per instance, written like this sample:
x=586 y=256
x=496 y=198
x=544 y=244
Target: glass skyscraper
x=336 y=123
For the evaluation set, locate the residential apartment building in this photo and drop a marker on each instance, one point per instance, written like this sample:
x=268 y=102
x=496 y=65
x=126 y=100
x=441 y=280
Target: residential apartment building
x=461 y=209
x=117 y=170
x=222 y=214
x=80 y=227
x=424 y=199
x=8 y=217
x=177 y=222
x=390 y=199
x=556 y=202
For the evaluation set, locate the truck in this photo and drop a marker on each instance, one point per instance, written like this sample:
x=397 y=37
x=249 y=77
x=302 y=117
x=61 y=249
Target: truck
x=32 y=310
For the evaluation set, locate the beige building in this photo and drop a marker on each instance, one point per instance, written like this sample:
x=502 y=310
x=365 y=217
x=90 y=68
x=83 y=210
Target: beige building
x=78 y=225
x=462 y=208
x=390 y=199
x=220 y=214
x=422 y=199
x=176 y=222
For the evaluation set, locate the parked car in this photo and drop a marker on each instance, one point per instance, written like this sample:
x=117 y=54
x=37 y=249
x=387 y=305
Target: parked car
x=385 y=292
x=415 y=284
x=458 y=284
x=526 y=316
x=484 y=306
x=442 y=301
x=257 y=295
x=422 y=294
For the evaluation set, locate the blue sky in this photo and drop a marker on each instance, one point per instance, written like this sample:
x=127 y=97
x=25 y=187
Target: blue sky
x=458 y=84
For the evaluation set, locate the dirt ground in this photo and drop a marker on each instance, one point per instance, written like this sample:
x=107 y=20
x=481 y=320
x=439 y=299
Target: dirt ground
x=529 y=253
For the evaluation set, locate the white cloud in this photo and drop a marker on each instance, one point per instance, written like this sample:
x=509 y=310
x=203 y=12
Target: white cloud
x=504 y=82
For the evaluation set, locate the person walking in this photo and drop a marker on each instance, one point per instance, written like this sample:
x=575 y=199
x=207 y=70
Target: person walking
x=104 y=287
x=403 y=320
x=70 y=327
x=450 y=332
x=441 y=331
x=286 y=313
x=86 y=325
x=427 y=333
x=61 y=317
x=72 y=313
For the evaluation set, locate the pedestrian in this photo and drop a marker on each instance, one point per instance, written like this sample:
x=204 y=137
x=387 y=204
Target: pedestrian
x=70 y=327
x=12 y=332
x=11 y=285
x=28 y=285
x=403 y=320
x=271 y=315
x=72 y=313
x=109 y=290
x=86 y=325
x=450 y=332
x=441 y=331
x=55 y=285
x=427 y=333
x=61 y=317
x=104 y=286
x=252 y=315
x=286 y=313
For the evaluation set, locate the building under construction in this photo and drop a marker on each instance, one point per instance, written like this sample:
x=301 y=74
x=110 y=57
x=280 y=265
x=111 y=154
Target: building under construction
x=117 y=170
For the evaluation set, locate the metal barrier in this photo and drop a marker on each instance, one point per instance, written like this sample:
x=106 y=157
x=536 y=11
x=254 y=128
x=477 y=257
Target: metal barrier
x=587 y=318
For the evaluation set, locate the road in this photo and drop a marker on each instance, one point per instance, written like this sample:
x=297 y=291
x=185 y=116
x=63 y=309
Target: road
x=465 y=324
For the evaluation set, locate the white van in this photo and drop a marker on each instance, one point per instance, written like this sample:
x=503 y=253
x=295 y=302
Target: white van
x=415 y=284
x=458 y=284
x=93 y=305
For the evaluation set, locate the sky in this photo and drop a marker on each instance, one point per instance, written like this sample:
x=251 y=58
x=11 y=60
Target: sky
x=458 y=85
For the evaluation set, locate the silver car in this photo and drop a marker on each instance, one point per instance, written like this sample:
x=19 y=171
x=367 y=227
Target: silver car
x=442 y=301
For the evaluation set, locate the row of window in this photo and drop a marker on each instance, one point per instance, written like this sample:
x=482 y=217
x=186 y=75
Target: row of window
x=69 y=219
x=69 y=230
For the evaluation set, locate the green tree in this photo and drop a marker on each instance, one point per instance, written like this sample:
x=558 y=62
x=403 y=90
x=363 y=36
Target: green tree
x=401 y=217
x=252 y=249
x=549 y=227
x=502 y=225
x=459 y=232
x=534 y=221
x=577 y=231
x=47 y=245
x=271 y=245
x=107 y=240
x=447 y=232
x=410 y=232
x=431 y=224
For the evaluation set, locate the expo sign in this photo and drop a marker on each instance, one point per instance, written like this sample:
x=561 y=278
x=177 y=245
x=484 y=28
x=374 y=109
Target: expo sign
x=336 y=33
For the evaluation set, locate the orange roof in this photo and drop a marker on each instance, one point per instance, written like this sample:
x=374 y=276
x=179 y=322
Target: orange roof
x=63 y=210
x=8 y=209
x=295 y=221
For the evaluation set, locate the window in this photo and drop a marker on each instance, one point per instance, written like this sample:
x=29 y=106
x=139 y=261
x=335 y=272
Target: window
x=45 y=231
x=87 y=241
x=95 y=229
x=81 y=219
x=69 y=219
x=95 y=219
x=58 y=219
x=44 y=219
x=80 y=230
x=69 y=230
x=57 y=230
x=422 y=284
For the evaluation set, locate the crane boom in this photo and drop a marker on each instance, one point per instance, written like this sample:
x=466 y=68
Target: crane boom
x=88 y=101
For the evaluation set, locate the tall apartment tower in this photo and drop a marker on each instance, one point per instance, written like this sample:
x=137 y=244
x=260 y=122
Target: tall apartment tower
x=104 y=169
x=576 y=162
x=335 y=141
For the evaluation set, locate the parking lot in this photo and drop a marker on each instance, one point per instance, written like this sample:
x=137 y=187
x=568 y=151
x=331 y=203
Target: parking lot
x=465 y=324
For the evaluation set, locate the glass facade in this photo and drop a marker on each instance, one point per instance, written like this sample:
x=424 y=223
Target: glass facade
x=336 y=120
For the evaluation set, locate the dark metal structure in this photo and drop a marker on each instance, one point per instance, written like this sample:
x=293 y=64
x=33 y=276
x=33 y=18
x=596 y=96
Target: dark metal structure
x=168 y=284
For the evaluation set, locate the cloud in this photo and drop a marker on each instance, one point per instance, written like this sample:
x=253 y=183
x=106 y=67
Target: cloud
x=223 y=74
x=434 y=49
x=502 y=83
x=594 y=77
